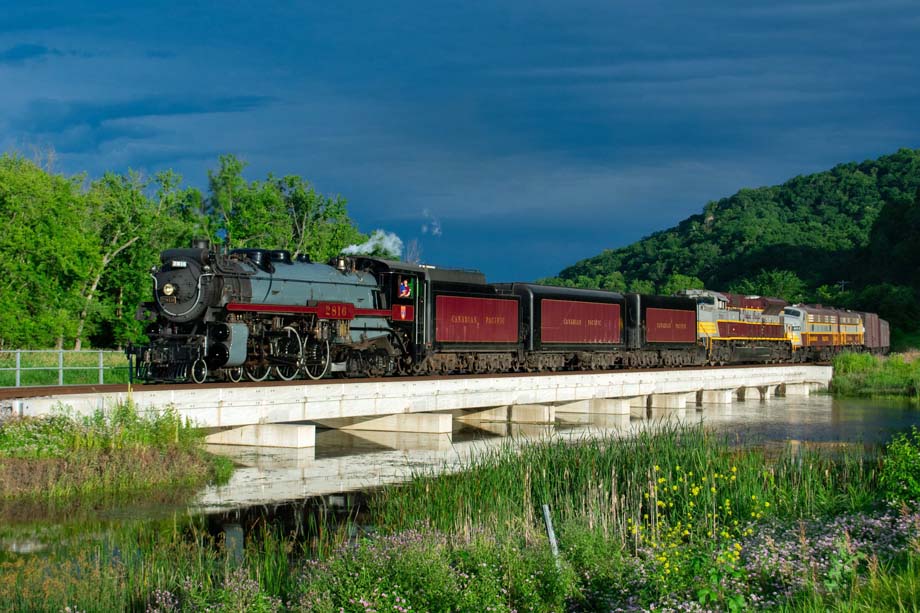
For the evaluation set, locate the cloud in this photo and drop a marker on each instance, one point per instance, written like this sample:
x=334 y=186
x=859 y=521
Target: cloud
x=21 y=53
x=76 y=126
x=52 y=115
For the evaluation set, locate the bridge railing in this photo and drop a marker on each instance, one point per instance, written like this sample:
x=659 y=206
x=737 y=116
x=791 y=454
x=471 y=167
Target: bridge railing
x=32 y=367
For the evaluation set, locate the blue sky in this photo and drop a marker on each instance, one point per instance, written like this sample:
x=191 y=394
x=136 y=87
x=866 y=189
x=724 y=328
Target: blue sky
x=532 y=133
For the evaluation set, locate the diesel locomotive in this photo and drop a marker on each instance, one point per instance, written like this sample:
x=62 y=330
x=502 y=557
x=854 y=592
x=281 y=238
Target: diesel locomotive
x=259 y=313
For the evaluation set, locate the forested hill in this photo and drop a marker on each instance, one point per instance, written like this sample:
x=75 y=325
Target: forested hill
x=848 y=236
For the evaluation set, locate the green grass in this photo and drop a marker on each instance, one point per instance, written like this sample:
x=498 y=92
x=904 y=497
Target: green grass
x=42 y=367
x=679 y=518
x=67 y=459
x=615 y=483
x=862 y=374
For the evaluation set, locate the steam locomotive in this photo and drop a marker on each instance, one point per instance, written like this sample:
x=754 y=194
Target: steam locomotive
x=259 y=313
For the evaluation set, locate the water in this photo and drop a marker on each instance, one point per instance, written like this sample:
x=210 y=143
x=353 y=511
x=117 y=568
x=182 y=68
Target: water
x=292 y=488
x=352 y=462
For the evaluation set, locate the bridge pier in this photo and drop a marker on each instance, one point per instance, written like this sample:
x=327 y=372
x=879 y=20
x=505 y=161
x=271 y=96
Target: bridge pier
x=796 y=389
x=532 y=414
x=596 y=406
x=420 y=423
x=717 y=396
x=267 y=435
x=517 y=413
x=668 y=401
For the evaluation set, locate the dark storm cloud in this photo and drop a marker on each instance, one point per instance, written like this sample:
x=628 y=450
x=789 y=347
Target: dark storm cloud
x=537 y=132
x=23 y=52
x=82 y=126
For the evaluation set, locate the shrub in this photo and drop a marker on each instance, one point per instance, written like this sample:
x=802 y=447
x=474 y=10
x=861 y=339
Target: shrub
x=900 y=473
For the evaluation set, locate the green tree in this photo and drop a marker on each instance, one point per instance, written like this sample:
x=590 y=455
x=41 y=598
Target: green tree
x=45 y=254
x=783 y=284
x=320 y=226
x=245 y=214
x=641 y=286
x=676 y=282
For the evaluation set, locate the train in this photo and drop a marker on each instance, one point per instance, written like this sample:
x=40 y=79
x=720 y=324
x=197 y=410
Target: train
x=255 y=314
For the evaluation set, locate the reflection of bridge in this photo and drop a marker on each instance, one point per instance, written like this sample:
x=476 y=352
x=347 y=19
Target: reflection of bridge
x=263 y=414
x=346 y=461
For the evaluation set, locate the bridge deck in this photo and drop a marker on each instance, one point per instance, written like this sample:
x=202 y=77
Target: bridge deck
x=234 y=405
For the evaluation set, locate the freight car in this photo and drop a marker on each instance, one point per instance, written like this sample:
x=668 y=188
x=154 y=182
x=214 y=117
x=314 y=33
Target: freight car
x=259 y=313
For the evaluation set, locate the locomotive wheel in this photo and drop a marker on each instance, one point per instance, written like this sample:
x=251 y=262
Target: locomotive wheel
x=199 y=371
x=235 y=374
x=258 y=372
x=287 y=348
x=317 y=358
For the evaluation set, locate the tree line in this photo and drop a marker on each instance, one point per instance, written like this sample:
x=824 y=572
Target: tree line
x=848 y=237
x=74 y=252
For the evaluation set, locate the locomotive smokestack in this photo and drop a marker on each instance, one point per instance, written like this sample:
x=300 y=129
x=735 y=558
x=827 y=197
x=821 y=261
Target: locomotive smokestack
x=201 y=243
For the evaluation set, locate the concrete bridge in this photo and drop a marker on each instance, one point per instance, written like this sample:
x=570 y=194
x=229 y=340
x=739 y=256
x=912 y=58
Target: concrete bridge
x=263 y=415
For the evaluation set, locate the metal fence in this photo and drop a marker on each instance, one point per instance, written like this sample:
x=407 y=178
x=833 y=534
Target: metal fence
x=27 y=367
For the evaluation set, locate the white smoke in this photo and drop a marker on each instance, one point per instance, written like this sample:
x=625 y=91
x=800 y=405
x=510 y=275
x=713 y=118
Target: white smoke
x=380 y=243
x=431 y=224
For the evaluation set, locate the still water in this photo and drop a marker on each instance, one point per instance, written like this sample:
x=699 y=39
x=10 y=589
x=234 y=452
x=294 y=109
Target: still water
x=345 y=462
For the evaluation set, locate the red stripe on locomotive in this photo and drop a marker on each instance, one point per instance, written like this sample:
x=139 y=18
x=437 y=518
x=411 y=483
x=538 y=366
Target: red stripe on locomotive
x=569 y=321
x=670 y=326
x=475 y=320
x=746 y=329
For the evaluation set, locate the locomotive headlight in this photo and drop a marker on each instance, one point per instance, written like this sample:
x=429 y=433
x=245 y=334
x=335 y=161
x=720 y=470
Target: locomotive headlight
x=169 y=289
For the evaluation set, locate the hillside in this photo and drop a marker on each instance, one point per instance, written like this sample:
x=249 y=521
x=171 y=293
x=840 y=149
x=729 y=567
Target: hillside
x=847 y=236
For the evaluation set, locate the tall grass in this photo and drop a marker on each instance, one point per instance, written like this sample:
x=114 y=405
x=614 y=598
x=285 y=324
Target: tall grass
x=677 y=518
x=73 y=459
x=617 y=484
x=863 y=374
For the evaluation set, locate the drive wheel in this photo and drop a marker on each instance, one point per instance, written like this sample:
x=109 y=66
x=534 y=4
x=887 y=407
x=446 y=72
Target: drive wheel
x=199 y=371
x=235 y=374
x=288 y=349
x=259 y=372
x=317 y=358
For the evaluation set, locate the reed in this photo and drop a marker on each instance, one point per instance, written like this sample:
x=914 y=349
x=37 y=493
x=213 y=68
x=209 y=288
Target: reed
x=617 y=484
x=67 y=459
x=862 y=374
x=677 y=518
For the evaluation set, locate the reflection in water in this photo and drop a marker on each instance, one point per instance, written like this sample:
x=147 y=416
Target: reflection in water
x=355 y=461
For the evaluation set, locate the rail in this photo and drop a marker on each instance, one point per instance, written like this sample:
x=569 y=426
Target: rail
x=34 y=367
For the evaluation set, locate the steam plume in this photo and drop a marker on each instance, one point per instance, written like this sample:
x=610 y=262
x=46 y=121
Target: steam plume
x=380 y=243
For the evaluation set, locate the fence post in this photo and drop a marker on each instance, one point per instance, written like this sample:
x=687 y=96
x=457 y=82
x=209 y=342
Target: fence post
x=101 y=376
x=18 y=366
x=60 y=367
x=551 y=534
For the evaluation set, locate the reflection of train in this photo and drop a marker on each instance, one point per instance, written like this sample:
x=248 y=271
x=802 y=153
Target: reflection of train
x=257 y=313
